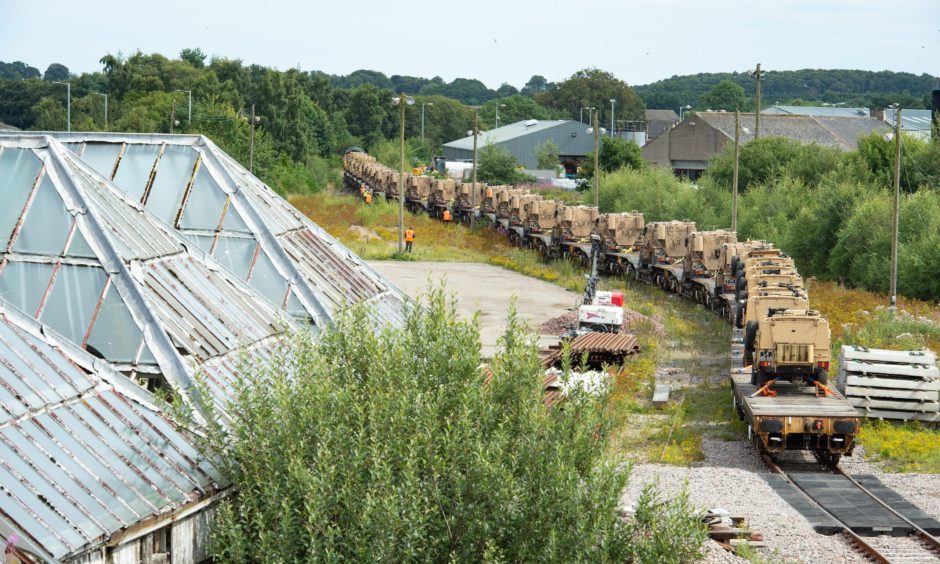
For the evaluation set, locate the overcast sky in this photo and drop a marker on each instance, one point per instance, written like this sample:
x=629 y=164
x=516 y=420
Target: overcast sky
x=640 y=41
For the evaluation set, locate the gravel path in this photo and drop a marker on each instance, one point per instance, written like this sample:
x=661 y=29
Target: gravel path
x=787 y=535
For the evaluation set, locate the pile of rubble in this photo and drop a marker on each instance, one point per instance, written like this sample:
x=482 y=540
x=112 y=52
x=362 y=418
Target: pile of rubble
x=560 y=324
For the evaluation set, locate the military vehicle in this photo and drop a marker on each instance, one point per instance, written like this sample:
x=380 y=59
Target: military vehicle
x=791 y=344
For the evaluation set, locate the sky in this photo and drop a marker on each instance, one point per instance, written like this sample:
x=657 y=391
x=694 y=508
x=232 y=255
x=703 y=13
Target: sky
x=639 y=41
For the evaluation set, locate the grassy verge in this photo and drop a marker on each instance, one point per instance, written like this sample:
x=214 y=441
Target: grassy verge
x=903 y=448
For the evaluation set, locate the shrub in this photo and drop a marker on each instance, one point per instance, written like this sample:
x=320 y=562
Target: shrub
x=393 y=445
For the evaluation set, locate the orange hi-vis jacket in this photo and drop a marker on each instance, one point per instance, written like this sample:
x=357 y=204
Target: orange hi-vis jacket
x=409 y=235
x=368 y=197
x=447 y=215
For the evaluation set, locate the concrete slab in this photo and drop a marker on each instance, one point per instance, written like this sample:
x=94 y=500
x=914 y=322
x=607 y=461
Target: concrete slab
x=661 y=395
x=487 y=289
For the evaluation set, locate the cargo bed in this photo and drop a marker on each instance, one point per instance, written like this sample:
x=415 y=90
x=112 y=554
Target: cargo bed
x=797 y=418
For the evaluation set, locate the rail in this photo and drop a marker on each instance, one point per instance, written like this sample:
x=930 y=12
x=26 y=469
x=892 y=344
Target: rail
x=928 y=540
x=854 y=539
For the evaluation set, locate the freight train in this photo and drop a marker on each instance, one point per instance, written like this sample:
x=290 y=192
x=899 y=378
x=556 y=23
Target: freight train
x=780 y=348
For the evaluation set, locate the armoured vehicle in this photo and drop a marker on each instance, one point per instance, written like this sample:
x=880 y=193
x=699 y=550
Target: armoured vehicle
x=443 y=194
x=791 y=344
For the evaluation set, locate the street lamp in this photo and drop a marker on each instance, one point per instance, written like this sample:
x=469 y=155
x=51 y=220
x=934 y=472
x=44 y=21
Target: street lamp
x=68 y=104
x=498 y=106
x=251 y=140
x=423 y=104
x=682 y=109
x=833 y=106
x=612 y=102
x=189 y=117
x=105 y=107
x=397 y=101
x=581 y=115
x=596 y=132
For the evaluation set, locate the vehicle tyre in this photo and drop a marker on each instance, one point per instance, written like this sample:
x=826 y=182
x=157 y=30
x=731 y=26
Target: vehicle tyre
x=739 y=285
x=739 y=316
x=822 y=376
x=750 y=335
x=735 y=261
x=753 y=377
x=743 y=297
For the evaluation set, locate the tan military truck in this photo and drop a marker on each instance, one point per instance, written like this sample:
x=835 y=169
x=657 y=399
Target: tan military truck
x=664 y=242
x=443 y=195
x=517 y=216
x=789 y=345
x=504 y=202
x=418 y=193
x=731 y=258
x=571 y=235
x=703 y=252
x=539 y=224
x=620 y=232
x=767 y=298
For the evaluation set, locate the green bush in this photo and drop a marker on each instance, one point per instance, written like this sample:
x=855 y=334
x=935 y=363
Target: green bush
x=661 y=196
x=394 y=446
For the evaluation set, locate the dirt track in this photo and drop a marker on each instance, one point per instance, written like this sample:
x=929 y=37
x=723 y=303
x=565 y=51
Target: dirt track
x=487 y=289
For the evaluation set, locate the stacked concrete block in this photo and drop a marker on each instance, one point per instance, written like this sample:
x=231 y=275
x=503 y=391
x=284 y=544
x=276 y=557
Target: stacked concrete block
x=902 y=385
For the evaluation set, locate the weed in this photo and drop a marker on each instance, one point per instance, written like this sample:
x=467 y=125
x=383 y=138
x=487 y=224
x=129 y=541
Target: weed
x=908 y=447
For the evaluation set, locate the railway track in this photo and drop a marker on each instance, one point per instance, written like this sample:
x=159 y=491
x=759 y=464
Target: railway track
x=918 y=546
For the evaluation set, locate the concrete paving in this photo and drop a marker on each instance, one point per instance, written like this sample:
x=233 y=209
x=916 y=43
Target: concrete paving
x=487 y=289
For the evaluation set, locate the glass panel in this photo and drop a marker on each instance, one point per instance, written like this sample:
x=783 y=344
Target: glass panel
x=73 y=299
x=47 y=223
x=134 y=170
x=233 y=221
x=75 y=147
x=294 y=307
x=23 y=284
x=173 y=173
x=146 y=356
x=204 y=207
x=115 y=334
x=79 y=246
x=204 y=242
x=235 y=254
x=101 y=157
x=18 y=171
x=268 y=281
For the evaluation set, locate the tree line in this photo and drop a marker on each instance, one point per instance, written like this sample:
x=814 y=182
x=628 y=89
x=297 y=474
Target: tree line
x=305 y=119
x=854 y=88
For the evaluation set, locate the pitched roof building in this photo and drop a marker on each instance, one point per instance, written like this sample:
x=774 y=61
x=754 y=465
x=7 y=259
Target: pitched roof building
x=92 y=470
x=687 y=147
x=520 y=140
x=659 y=122
x=913 y=121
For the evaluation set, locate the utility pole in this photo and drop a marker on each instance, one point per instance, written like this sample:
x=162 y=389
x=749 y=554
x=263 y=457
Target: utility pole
x=473 y=175
x=401 y=176
x=251 y=143
x=597 y=169
x=897 y=206
x=173 y=116
x=737 y=156
x=757 y=103
x=612 y=101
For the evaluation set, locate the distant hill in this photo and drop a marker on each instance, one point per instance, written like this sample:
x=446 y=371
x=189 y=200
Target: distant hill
x=800 y=87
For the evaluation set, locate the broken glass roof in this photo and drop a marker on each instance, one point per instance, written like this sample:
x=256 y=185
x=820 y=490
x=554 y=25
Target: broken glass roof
x=192 y=185
x=83 y=452
x=82 y=257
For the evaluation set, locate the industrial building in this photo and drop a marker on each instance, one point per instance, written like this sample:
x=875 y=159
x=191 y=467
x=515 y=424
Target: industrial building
x=521 y=139
x=687 y=147
x=915 y=122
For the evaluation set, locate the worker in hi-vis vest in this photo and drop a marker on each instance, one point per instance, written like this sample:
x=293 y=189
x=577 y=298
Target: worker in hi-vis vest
x=368 y=196
x=409 y=238
x=446 y=217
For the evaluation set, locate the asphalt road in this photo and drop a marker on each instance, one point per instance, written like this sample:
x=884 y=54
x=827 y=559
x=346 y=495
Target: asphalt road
x=487 y=289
